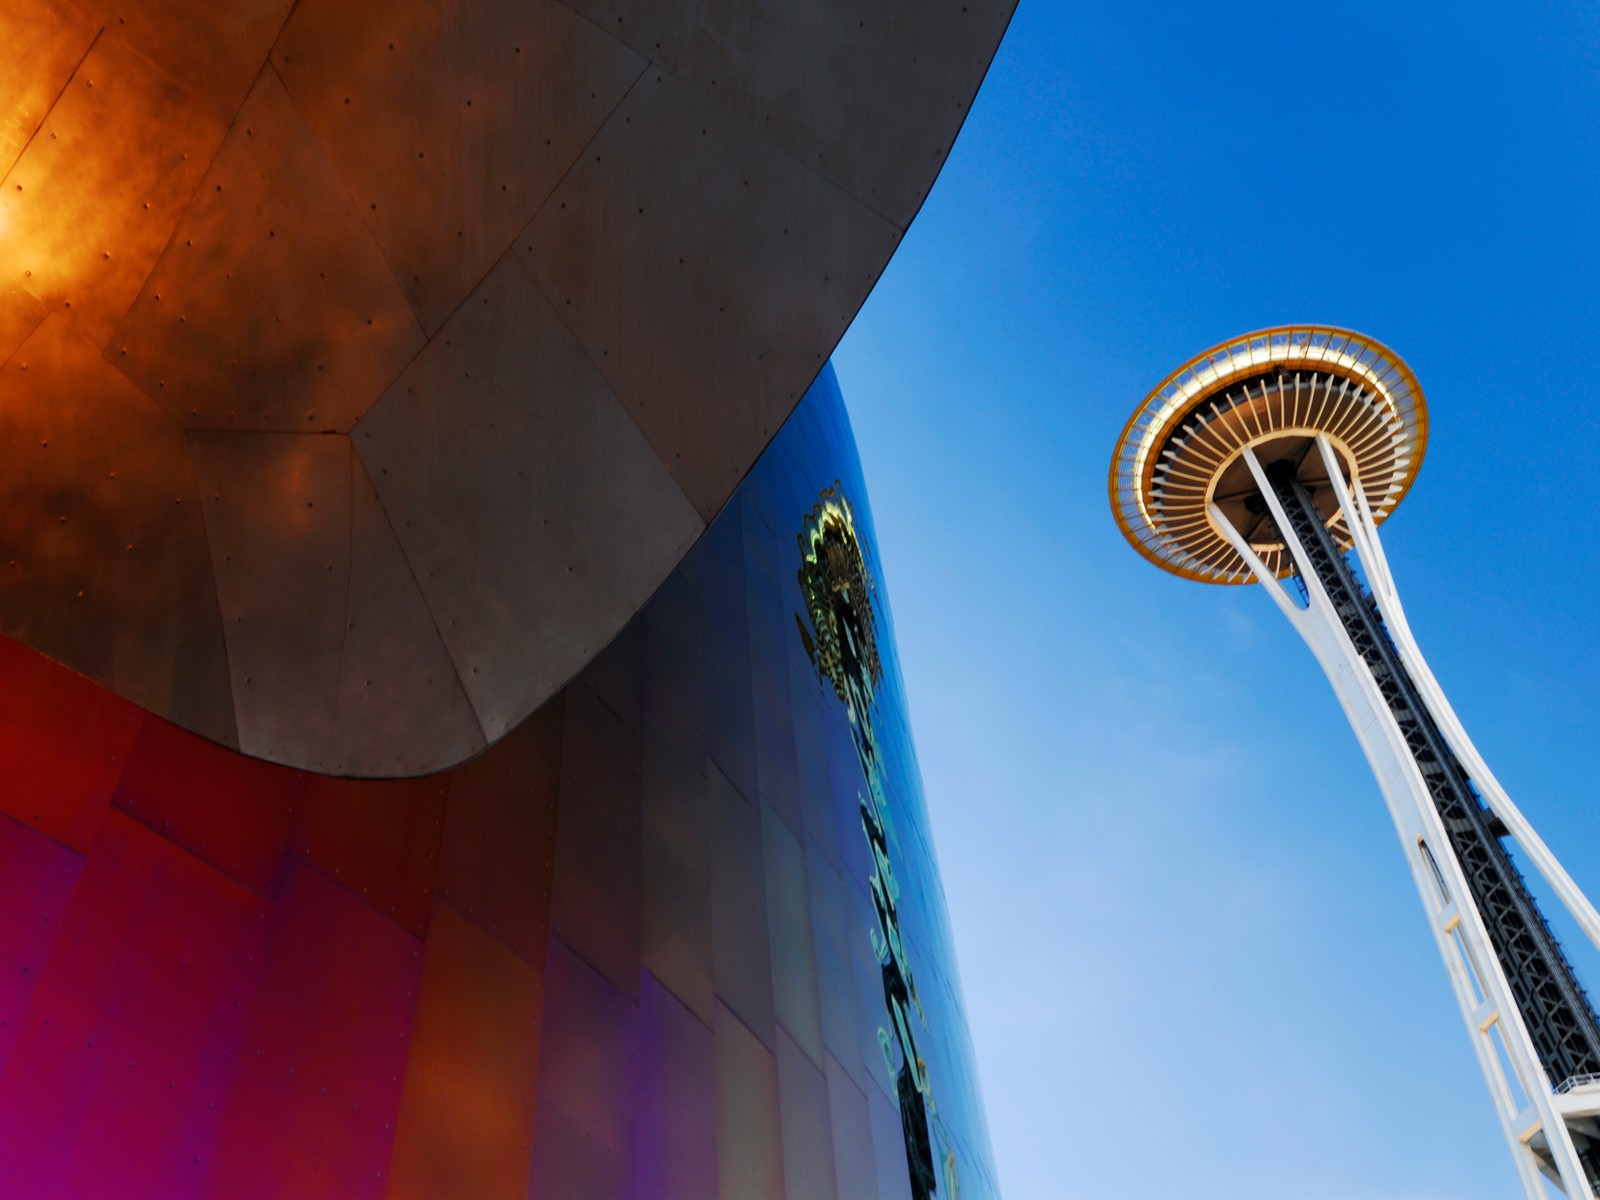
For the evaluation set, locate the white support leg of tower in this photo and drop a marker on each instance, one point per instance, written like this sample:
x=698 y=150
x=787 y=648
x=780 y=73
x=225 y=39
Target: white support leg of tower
x=1533 y=1117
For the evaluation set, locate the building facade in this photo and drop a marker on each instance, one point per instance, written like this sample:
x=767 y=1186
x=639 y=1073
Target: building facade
x=679 y=934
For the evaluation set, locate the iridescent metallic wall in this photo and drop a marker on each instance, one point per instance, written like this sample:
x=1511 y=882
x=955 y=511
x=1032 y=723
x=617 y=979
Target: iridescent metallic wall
x=673 y=937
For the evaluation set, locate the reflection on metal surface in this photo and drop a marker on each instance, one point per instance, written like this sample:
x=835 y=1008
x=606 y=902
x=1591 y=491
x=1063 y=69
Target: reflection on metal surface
x=842 y=644
x=259 y=212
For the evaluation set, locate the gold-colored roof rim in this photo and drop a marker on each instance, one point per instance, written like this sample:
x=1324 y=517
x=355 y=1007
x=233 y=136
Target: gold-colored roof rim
x=1325 y=348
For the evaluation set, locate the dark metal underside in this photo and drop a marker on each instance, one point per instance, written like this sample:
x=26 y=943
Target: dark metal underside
x=1553 y=1004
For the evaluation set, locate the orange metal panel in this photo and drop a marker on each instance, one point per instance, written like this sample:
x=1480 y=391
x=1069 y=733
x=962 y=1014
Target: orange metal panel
x=40 y=45
x=94 y=198
x=466 y=1115
x=272 y=296
x=102 y=544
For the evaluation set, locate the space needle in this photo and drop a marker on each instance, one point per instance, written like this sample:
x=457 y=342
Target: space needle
x=1273 y=459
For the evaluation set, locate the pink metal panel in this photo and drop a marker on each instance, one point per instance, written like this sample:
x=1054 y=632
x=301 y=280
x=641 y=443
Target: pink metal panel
x=36 y=881
x=676 y=1155
x=237 y=813
x=583 y=1126
x=499 y=835
x=595 y=904
x=63 y=741
x=380 y=840
x=312 y=1109
x=466 y=1115
x=117 y=1083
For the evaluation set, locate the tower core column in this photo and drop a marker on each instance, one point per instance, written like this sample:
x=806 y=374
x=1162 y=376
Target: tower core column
x=1276 y=457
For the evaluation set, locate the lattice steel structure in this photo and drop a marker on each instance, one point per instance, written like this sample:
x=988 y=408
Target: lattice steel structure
x=1280 y=454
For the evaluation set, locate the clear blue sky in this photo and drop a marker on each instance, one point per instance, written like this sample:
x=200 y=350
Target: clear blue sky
x=1193 y=955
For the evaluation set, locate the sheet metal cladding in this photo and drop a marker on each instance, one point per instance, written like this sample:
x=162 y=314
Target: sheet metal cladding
x=679 y=935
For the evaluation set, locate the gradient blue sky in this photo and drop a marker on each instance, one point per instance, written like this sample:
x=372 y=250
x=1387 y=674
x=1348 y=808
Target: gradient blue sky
x=1192 y=952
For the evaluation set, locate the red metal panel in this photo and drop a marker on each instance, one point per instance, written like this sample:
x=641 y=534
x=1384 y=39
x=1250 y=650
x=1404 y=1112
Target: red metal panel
x=117 y=1083
x=583 y=1123
x=64 y=741
x=380 y=840
x=36 y=881
x=677 y=1143
x=466 y=1116
x=312 y=1110
x=237 y=813
x=500 y=832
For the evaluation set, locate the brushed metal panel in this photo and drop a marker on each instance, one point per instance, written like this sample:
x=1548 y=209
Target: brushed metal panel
x=273 y=307
x=41 y=43
x=675 y=1148
x=870 y=96
x=706 y=272
x=749 y=1131
x=37 y=878
x=401 y=708
x=95 y=196
x=101 y=537
x=534 y=514
x=213 y=48
x=277 y=510
x=807 y=1128
x=451 y=121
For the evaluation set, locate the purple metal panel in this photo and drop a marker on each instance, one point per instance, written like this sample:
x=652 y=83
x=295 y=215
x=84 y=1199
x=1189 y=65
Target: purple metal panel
x=117 y=1083
x=36 y=881
x=676 y=942
x=730 y=717
x=583 y=1125
x=740 y=951
x=807 y=1131
x=500 y=832
x=594 y=906
x=676 y=1154
x=313 y=1105
x=237 y=813
x=749 y=1133
x=794 y=970
x=466 y=1116
x=380 y=840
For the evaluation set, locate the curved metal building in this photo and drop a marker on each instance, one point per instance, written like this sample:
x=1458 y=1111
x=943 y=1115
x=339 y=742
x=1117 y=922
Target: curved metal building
x=434 y=760
x=679 y=935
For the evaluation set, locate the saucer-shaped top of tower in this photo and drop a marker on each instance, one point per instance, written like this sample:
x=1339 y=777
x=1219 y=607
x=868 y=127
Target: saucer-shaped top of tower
x=366 y=364
x=1272 y=391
